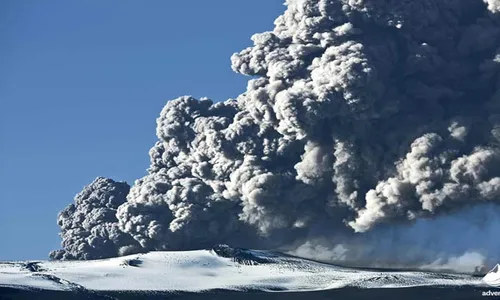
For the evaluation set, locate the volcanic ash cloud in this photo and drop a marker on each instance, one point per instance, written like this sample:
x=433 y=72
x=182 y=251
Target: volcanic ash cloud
x=360 y=116
x=89 y=227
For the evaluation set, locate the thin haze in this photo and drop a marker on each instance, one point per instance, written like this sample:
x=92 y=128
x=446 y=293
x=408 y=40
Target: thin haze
x=81 y=84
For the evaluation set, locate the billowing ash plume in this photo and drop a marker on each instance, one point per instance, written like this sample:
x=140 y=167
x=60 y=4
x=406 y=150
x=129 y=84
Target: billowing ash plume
x=362 y=117
x=89 y=226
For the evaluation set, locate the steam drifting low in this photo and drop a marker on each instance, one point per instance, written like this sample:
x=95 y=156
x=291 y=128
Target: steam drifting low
x=373 y=126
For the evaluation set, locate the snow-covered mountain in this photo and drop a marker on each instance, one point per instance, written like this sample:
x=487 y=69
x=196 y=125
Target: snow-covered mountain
x=493 y=277
x=219 y=268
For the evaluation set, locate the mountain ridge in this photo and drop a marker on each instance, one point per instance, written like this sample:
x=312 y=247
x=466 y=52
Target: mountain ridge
x=219 y=268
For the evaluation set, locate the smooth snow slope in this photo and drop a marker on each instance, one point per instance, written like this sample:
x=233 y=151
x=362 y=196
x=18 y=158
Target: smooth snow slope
x=208 y=269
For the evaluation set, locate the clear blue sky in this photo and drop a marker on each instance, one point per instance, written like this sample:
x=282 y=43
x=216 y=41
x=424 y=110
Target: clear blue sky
x=81 y=84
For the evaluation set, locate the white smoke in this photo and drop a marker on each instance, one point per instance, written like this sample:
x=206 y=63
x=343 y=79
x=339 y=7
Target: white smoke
x=461 y=242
